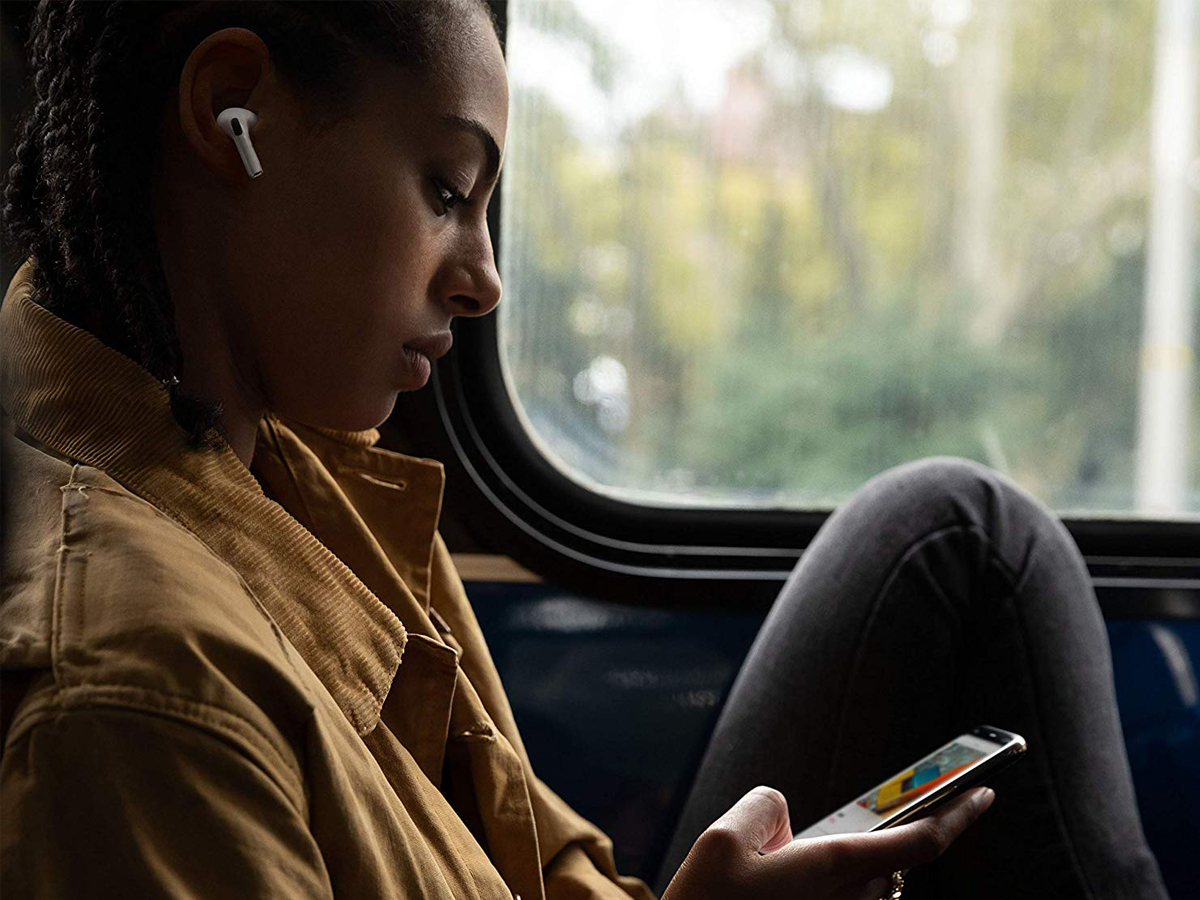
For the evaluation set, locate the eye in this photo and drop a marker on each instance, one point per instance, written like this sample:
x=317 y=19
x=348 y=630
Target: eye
x=449 y=197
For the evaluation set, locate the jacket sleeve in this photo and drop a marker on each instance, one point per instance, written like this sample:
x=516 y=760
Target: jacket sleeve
x=584 y=868
x=118 y=802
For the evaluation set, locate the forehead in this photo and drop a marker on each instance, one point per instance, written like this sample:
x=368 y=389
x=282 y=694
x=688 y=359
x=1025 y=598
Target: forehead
x=470 y=80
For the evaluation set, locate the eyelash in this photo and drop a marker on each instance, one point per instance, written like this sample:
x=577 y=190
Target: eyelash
x=450 y=197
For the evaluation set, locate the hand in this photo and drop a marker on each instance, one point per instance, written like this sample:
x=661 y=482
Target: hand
x=725 y=864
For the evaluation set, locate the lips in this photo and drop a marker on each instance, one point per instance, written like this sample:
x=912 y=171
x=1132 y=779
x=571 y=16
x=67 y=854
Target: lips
x=434 y=346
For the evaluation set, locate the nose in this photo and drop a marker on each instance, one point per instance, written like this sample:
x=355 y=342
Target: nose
x=473 y=286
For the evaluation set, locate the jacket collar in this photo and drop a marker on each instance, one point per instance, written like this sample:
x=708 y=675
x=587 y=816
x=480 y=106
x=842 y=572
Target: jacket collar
x=375 y=509
x=92 y=404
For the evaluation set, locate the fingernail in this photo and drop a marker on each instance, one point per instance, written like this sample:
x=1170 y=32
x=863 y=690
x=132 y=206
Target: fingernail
x=984 y=798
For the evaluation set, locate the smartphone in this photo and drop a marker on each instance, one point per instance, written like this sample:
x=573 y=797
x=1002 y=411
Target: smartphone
x=941 y=776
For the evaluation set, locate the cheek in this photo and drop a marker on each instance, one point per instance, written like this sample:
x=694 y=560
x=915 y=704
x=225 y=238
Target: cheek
x=336 y=355
x=376 y=224
x=394 y=265
x=346 y=276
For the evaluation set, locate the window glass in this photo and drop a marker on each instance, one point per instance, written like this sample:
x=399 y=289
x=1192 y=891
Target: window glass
x=756 y=252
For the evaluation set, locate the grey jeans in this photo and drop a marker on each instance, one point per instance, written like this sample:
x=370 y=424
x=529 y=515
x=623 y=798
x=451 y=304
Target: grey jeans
x=941 y=596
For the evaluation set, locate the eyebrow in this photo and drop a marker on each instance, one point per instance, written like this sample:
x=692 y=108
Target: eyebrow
x=490 y=148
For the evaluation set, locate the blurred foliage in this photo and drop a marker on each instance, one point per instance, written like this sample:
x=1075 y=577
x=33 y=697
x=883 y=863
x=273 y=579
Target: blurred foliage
x=806 y=296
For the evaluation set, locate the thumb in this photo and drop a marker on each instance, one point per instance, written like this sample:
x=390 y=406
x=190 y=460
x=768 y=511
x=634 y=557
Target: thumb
x=759 y=821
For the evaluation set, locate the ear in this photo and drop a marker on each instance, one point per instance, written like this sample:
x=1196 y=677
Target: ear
x=230 y=67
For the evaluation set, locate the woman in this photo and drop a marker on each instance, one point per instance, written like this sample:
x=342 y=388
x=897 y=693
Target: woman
x=237 y=660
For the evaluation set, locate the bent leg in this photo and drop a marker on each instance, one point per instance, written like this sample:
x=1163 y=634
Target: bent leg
x=940 y=597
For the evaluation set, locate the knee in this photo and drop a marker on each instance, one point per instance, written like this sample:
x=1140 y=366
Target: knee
x=944 y=491
x=943 y=482
x=941 y=479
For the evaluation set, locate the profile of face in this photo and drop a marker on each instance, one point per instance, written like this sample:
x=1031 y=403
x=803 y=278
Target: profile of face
x=298 y=291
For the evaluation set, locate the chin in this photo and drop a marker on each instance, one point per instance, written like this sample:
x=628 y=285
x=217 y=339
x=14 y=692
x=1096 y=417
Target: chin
x=348 y=416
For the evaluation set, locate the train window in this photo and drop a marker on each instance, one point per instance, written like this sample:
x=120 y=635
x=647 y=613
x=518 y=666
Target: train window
x=757 y=252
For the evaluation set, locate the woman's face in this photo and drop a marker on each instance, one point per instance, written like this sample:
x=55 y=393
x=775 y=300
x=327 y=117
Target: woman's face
x=352 y=243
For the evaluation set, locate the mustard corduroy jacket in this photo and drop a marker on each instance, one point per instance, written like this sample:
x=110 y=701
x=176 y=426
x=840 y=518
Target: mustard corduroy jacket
x=214 y=691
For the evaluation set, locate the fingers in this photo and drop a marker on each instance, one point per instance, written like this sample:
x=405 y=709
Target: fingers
x=906 y=846
x=723 y=862
x=759 y=821
x=853 y=859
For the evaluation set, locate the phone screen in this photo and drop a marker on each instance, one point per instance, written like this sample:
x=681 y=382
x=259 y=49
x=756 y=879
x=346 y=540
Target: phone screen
x=939 y=766
x=905 y=788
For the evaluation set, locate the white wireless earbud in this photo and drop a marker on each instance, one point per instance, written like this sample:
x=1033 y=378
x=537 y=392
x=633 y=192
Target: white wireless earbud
x=237 y=122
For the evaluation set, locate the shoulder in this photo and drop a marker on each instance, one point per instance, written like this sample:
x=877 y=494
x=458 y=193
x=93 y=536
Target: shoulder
x=125 y=607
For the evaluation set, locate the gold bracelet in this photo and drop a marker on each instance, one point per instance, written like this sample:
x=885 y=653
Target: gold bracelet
x=897 y=887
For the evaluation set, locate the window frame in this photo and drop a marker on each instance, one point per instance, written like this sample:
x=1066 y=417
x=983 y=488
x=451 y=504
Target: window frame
x=520 y=504
x=515 y=501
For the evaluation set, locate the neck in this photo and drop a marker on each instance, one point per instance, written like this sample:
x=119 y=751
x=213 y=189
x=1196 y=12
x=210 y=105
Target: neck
x=213 y=369
x=213 y=378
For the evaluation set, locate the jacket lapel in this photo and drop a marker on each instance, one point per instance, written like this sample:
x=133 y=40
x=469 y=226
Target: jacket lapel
x=377 y=511
x=504 y=808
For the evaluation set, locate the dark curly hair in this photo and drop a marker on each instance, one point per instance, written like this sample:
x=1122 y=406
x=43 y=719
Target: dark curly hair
x=77 y=197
